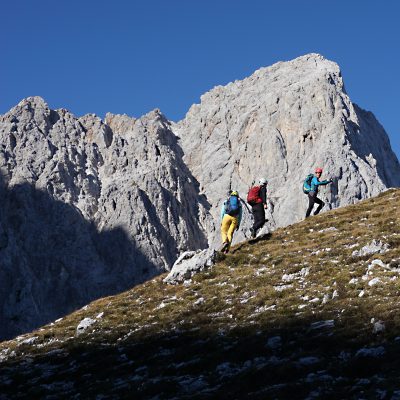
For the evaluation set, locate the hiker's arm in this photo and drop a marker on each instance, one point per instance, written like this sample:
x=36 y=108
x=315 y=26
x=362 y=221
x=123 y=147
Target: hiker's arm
x=319 y=183
x=263 y=195
x=239 y=217
x=222 y=211
x=325 y=182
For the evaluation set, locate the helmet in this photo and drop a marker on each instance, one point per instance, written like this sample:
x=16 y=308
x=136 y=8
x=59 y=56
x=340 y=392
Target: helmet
x=318 y=170
x=263 y=181
x=234 y=193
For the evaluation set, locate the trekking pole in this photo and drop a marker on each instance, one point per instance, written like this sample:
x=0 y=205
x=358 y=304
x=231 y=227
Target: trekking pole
x=248 y=209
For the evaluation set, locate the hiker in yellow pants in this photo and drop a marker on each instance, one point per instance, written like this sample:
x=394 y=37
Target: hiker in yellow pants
x=231 y=215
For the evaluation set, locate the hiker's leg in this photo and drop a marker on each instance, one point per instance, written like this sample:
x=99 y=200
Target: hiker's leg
x=320 y=205
x=225 y=227
x=311 y=201
x=232 y=228
x=259 y=216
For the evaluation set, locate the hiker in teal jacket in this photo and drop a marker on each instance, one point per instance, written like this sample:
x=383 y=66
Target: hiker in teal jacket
x=312 y=194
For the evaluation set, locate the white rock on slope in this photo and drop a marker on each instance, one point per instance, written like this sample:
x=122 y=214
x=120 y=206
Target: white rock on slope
x=189 y=263
x=376 y=246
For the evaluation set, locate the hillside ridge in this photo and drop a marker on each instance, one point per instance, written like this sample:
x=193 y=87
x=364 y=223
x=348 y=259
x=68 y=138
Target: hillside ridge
x=313 y=310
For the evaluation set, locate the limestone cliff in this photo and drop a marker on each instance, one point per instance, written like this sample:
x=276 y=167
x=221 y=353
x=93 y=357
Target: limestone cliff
x=88 y=208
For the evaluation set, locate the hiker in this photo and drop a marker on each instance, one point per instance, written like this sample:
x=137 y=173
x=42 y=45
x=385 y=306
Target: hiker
x=231 y=216
x=257 y=198
x=310 y=188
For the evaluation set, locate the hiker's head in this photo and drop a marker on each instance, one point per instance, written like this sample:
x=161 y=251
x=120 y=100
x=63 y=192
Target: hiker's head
x=262 y=181
x=234 y=193
x=318 y=171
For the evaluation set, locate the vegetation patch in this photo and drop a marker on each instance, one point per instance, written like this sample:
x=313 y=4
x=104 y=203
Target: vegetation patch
x=303 y=312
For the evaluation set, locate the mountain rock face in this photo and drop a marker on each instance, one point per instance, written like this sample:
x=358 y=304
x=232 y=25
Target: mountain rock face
x=281 y=123
x=88 y=208
x=92 y=207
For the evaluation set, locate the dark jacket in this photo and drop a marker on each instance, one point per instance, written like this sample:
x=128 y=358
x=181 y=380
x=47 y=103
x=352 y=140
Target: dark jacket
x=263 y=193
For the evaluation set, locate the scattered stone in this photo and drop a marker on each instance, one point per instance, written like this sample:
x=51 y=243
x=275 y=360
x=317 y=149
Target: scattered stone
x=281 y=288
x=260 y=271
x=320 y=376
x=304 y=272
x=330 y=229
x=328 y=324
x=308 y=360
x=264 y=308
x=30 y=341
x=288 y=277
x=374 y=281
x=363 y=382
x=190 y=263
x=84 y=324
x=371 y=352
x=301 y=274
x=325 y=299
x=199 y=301
x=377 y=262
x=274 y=342
x=381 y=394
x=161 y=306
x=376 y=246
x=378 y=327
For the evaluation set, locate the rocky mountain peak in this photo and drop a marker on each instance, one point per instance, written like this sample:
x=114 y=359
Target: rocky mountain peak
x=282 y=122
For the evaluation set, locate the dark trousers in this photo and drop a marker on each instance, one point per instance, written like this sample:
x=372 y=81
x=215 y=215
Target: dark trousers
x=259 y=216
x=312 y=199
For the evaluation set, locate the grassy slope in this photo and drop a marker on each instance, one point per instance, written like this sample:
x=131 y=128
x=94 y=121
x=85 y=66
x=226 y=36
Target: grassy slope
x=248 y=328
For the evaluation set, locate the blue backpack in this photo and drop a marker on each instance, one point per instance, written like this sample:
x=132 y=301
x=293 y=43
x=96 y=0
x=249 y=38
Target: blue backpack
x=307 y=183
x=232 y=206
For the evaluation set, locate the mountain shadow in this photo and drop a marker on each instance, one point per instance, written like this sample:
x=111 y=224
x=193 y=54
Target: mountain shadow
x=296 y=359
x=53 y=261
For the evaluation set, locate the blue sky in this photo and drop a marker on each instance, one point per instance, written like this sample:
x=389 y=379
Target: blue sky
x=133 y=56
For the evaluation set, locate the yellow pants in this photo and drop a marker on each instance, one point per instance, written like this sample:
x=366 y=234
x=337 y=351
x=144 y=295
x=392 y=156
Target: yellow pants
x=228 y=226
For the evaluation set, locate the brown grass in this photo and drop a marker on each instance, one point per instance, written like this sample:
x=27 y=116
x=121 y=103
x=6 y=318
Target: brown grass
x=240 y=288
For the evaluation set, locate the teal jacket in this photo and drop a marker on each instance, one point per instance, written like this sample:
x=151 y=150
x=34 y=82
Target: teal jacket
x=239 y=216
x=315 y=183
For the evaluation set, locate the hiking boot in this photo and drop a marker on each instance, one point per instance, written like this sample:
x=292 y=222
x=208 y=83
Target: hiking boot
x=226 y=251
x=225 y=247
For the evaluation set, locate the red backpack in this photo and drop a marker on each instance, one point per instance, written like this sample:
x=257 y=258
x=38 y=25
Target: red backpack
x=253 y=197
